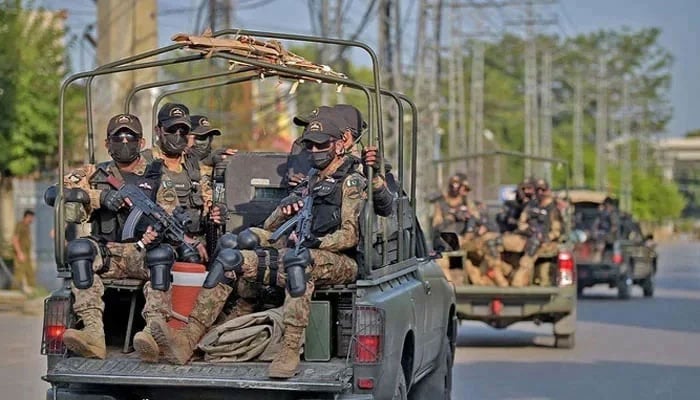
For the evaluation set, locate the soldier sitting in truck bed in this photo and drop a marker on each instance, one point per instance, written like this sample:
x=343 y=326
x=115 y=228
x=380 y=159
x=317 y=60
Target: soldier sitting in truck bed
x=338 y=198
x=539 y=229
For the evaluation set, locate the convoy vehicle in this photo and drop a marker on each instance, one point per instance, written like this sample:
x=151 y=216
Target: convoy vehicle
x=627 y=259
x=501 y=307
x=390 y=335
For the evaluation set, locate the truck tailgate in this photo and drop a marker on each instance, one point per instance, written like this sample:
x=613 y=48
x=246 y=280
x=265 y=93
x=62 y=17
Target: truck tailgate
x=477 y=301
x=328 y=377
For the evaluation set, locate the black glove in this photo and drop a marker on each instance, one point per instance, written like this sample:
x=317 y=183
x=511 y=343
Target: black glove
x=289 y=200
x=311 y=242
x=111 y=200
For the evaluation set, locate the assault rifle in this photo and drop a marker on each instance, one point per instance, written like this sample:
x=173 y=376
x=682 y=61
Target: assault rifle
x=170 y=227
x=214 y=231
x=300 y=223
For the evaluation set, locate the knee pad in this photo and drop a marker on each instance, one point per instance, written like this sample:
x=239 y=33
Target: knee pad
x=80 y=255
x=226 y=241
x=295 y=268
x=160 y=261
x=248 y=240
x=227 y=260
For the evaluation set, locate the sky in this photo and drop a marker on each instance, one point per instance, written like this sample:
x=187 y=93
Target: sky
x=678 y=20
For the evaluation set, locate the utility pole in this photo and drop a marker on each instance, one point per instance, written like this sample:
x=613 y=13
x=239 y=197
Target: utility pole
x=546 y=124
x=476 y=111
x=531 y=131
x=578 y=178
x=626 y=142
x=123 y=30
x=427 y=96
x=601 y=133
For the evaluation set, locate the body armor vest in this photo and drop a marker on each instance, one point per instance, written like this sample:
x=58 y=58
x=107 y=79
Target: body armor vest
x=328 y=199
x=539 y=217
x=108 y=225
x=189 y=192
x=605 y=222
x=457 y=226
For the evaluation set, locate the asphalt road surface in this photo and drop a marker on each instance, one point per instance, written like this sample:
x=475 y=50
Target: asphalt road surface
x=636 y=349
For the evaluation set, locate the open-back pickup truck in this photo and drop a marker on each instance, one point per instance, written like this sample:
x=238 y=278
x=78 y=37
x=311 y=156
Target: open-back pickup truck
x=501 y=307
x=390 y=335
x=629 y=259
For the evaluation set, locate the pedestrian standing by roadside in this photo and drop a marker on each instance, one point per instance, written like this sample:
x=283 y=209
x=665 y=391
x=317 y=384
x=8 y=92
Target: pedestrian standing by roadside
x=25 y=278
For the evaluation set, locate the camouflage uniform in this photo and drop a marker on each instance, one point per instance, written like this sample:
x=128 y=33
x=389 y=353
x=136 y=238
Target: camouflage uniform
x=120 y=260
x=333 y=263
x=518 y=242
x=450 y=214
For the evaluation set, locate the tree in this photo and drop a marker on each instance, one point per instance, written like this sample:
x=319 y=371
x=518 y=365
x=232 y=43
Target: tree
x=693 y=134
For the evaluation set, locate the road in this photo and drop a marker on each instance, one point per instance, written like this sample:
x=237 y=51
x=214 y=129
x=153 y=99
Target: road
x=638 y=349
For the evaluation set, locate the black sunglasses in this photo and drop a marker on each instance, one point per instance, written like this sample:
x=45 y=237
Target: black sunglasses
x=319 y=146
x=178 y=129
x=120 y=136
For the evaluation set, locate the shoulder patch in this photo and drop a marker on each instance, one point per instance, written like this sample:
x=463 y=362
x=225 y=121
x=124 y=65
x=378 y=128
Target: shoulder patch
x=167 y=184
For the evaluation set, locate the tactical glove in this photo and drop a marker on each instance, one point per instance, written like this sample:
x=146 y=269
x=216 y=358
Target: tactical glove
x=111 y=200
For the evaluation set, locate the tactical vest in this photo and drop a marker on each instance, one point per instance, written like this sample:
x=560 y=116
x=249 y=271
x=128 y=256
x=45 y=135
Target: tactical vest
x=457 y=226
x=604 y=221
x=328 y=199
x=539 y=218
x=189 y=191
x=108 y=225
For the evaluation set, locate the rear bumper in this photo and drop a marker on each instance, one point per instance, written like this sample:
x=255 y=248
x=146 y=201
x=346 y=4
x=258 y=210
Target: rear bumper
x=518 y=304
x=64 y=394
x=593 y=274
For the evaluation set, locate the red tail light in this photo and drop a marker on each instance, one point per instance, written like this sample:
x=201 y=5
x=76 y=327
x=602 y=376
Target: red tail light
x=566 y=266
x=369 y=335
x=56 y=320
x=617 y=258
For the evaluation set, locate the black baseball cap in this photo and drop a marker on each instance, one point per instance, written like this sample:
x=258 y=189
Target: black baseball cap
x=347 y=116
x=172 y=114
x=321 y=130
x=202 y=127
x=124 y=121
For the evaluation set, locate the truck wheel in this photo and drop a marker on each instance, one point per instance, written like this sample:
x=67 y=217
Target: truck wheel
x=648 y=287
x=400 y=391
x=623 y=289
x=564 y=341
x=437 y=385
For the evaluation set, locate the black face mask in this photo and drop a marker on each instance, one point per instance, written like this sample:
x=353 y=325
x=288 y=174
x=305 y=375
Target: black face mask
x=201 y=149
x=322 y=159
x=124 y=152
x=172 y=144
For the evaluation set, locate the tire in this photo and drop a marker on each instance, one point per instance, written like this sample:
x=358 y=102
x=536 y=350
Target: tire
x=623 y=289
x=648 y=287
x=401 y=391
x=565 y=341
x=437 y=385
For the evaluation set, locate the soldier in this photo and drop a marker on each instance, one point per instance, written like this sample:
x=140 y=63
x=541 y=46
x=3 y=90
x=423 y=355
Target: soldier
x=539 y=229
x=606 y=227
x=338 y=198
x=483 y=254
x=508 y=218
x=353 y=127
x=24 y=275
x=201 y=146
x=182 y=172
x=103 y=255
x=451 y=213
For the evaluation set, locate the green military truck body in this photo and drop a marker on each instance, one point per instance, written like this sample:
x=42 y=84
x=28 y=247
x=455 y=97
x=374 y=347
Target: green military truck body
x=390 y=335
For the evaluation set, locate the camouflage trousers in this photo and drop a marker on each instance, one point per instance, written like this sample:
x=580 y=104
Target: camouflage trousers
x=482 y=267
x=123 y=261
x=526 y=266
x=328 y=268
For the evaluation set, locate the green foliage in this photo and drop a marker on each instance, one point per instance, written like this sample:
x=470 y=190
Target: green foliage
x=693 y=133
x=31 y=72
x=636 y=54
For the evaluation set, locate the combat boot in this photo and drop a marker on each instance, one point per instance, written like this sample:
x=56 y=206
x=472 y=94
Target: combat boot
x=286 y=362
x=179 y=345
x=145 y=344
x=89 y=341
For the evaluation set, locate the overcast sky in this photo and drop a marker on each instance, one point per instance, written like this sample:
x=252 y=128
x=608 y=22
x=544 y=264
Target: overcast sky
x=674 y=17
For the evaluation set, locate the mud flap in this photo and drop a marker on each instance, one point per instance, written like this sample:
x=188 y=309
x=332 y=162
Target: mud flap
x=566 y=325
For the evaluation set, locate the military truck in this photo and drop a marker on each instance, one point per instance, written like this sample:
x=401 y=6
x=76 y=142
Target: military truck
x=389 y=335
x=501 y=307
x=627 y=259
